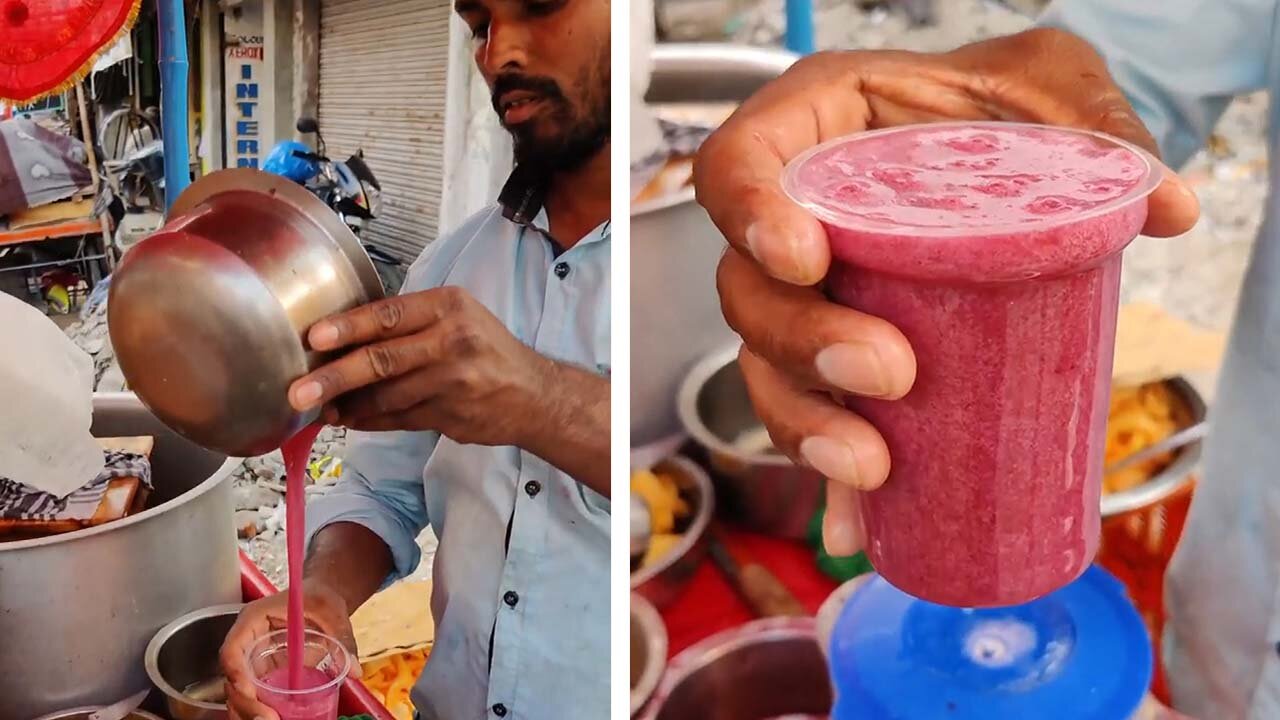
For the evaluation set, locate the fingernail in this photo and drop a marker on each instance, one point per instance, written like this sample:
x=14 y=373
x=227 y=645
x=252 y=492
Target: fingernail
x=839 y=538
x=831 y=457
x=855 y=367
x=778 y=251
x=308 y=393
x=324 y=334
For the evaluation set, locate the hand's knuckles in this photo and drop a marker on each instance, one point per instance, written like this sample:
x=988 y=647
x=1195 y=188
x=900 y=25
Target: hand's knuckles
x=453 y=299
x=383 y=361
x=389 y=313
x=462 y=339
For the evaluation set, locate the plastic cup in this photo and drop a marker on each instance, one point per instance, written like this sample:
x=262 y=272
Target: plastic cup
x=995 y=248
x=325 y=665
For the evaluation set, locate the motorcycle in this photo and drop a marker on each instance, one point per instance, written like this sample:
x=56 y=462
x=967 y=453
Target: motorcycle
x=348 y=187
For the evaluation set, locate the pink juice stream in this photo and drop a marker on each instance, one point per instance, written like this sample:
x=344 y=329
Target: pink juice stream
x=297 y=451
x=995 y=249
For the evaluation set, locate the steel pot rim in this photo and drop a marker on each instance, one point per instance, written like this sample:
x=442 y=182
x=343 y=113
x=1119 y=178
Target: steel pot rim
x=151 y=658
x=656 y=640
x=666 y=54
x=697 y=528
x=687 y=408
x=1174 y=476
x=310 y=206
x=223 y=472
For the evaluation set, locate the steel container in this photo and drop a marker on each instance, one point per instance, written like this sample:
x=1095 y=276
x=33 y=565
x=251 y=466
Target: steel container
x=675 y=312
x=768 y=668
x=208 y=315
x=757 y=488
x=78 y=609
x=185 y=652
x=663 y=581
x=648 y=651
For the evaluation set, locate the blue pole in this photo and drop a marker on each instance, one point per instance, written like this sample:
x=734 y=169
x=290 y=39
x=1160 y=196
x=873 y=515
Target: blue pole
x=800 y=26
x=173 y=98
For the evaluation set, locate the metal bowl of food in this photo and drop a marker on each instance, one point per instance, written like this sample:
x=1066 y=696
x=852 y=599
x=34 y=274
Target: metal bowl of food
x=208 y=314
x=1174 y=476
x=648 y=651
x=758 y=488
x=182 y=662
x=662 y=580
x=767 y=668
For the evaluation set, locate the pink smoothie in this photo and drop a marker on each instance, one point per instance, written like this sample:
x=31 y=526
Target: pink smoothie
x=995 y=249
x=320 y=705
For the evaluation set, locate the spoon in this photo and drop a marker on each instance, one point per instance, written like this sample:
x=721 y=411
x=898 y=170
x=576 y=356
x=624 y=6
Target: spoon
x=1183 y=437
x=122 y=709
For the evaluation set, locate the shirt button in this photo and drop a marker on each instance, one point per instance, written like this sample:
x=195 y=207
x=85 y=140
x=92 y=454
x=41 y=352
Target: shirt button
x=532 y=488
x=510 y=598
x=500 y=710
x=562 y=269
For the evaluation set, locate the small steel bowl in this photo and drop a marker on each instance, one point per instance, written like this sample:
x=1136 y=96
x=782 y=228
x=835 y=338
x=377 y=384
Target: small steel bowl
x=1175 y=476
x=648 y=651
x=83 y=713
x=759 y=489
x=766 y=668
x=207 y=315
x=185 y=652
x=662 y=582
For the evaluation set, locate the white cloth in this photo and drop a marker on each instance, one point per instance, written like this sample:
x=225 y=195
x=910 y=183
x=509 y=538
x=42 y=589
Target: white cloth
x=46 y=384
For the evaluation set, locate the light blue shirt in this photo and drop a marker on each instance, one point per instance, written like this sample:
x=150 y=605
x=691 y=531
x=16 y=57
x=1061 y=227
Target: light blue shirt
x=1181 y=62
x=540 y=597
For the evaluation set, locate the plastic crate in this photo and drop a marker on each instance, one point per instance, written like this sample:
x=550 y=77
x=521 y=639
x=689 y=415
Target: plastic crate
x=354 y=698
x=1136 y=547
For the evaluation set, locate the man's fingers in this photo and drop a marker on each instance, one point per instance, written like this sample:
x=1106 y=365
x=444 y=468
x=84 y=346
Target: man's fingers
x=813 y=340
x=389 y=318
x=243 y=704
x=1172 y=209
x=390 y=396
x=842 y=531
x=811 y=428
x=739 y=168
x=361 y=367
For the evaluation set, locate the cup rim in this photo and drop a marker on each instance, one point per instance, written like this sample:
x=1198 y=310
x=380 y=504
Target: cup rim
x=829 y=215
x=281 y=636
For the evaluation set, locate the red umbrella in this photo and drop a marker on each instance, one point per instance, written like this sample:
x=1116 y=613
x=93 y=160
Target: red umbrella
x=48 y=45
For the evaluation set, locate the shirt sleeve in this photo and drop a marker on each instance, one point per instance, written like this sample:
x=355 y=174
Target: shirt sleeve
x=1180 y=62
x=382 y=489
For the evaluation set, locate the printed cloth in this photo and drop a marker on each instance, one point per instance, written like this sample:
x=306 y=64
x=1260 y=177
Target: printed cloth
x=21 y=502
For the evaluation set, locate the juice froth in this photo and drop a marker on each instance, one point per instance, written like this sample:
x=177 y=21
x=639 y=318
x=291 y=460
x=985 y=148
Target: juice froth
x=995 y=249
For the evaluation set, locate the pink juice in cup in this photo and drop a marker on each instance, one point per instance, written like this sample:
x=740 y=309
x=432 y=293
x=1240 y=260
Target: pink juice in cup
x=995 y=248
x=313 y=693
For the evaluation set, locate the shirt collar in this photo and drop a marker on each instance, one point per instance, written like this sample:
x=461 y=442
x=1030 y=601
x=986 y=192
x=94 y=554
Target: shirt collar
x=523 y=199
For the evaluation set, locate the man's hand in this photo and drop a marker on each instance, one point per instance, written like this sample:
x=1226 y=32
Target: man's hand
x=439 y=360
x=325 y=611
x=431 y=360
x=799 y=346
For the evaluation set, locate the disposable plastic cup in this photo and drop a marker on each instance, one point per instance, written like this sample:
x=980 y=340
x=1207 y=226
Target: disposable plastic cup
x=324 y=667
x=995 y=248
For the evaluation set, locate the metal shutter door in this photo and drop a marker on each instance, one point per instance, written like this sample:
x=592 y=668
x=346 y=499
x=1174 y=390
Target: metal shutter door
x=382 y=88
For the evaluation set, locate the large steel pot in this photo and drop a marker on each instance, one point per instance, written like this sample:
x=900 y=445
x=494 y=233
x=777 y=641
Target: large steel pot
x=675 y=313
x=208 y=314
x=77 y=610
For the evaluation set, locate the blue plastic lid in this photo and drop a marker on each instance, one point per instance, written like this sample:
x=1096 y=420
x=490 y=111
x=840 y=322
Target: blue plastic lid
x=1083 y=647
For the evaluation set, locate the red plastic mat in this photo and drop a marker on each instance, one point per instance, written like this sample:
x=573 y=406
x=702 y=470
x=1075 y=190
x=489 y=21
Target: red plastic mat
x=709 y=604
x=354 y=698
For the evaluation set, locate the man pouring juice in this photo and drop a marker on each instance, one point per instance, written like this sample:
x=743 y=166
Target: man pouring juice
x=480 y=401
